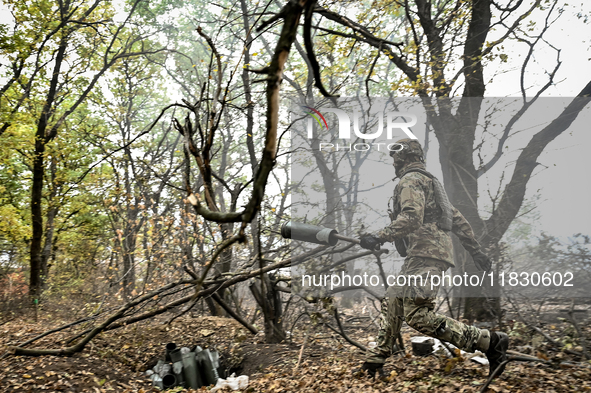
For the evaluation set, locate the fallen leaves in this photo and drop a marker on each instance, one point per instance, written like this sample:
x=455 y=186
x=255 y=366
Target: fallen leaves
x=206 y=332
x=117 y=359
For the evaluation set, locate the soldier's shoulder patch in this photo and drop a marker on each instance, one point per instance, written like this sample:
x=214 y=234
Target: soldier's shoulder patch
x=406 y=194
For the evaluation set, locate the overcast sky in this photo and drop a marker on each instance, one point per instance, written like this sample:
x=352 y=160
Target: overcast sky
x=565 y=185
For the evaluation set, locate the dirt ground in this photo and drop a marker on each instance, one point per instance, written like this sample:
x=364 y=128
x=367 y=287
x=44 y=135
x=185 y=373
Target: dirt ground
x=115 y=361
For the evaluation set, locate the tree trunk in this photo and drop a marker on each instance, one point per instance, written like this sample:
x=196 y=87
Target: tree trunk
x=41 y=140
x=36 y=258
x=270 y=302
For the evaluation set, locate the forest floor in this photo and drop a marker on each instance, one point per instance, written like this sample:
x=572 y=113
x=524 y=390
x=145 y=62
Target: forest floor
x=115 y=361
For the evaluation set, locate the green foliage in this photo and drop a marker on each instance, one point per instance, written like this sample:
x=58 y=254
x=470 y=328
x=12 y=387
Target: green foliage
x=93 y=40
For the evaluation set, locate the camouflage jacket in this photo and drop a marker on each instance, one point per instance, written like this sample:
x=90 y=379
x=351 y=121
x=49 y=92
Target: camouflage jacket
x=415 y=215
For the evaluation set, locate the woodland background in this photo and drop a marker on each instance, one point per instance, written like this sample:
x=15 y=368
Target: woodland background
x=144 y=177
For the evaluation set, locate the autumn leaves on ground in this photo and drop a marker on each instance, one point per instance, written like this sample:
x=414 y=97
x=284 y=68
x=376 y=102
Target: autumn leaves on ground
x=116 y=361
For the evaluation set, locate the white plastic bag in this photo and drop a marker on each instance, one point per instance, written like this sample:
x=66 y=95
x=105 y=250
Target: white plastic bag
x=231 y=382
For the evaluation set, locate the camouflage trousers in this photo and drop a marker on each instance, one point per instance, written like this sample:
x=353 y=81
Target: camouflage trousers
x=414 y=303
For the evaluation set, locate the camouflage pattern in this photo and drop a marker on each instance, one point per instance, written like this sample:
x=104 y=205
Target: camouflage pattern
x=415 y=304
x=415 y=215
x=409 y=147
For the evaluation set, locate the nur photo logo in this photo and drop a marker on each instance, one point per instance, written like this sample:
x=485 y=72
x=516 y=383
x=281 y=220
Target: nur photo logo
x=355 y=122
x=399 y=121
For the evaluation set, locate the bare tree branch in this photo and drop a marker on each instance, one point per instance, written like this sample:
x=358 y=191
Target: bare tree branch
x=514 y=192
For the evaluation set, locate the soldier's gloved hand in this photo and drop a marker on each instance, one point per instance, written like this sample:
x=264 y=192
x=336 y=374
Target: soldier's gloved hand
x=370 y=242
x=481 y=260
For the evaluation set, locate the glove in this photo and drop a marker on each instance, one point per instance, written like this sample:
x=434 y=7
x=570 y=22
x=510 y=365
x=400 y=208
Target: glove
x=481 y=260
x=369 y=242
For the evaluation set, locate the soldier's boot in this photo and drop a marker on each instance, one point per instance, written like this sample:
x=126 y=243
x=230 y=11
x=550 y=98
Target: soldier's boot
x=497 y=352
x=371 y=369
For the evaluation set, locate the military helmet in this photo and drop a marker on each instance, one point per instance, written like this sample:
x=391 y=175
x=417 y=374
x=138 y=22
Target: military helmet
x=407 y=147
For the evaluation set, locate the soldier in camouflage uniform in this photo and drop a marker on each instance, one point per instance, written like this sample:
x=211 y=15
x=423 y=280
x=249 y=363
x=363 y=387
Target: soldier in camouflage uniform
x=422 y=219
